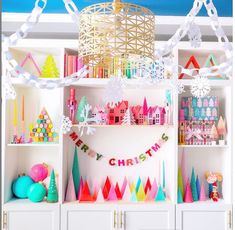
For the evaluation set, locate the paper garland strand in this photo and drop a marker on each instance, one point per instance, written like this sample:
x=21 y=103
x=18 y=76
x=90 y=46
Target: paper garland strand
x=114 y=161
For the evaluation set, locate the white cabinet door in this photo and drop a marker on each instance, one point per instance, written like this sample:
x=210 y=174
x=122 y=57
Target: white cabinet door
x=31 y=220
x=216 y=218
x=145 y=217
x=89 y=218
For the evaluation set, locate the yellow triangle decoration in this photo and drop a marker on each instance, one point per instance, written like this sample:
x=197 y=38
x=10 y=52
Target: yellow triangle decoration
x=141 y=194
x=132 y=187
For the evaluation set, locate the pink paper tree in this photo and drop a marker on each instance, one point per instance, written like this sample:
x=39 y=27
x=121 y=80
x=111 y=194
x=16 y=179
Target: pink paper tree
x=70 y=193
x=145 y=107
x=202 y=193
x=154 y=189
x=112 y=194
x=188 y=198
x=221 y=128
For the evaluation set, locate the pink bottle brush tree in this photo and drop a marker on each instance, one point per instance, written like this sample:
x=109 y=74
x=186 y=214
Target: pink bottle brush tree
x=221 y=128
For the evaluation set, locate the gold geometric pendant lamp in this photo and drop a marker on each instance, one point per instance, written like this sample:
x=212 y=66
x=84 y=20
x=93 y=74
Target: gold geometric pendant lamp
x=113 y=34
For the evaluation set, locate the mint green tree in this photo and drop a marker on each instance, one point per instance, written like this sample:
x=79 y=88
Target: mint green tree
x=52 y=195
x=81 y=106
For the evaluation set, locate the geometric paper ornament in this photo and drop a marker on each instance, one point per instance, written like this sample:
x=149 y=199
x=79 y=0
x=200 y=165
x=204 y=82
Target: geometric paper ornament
x=198 y=187
x=127 y=194
x=112 y=194
x=180 y=182
x=132 y=187
x=140 y=194
x=106 y=188
x=133 y=196
x=118 y=192
x=100 y=197
x=75 y=170
x=124 y=184
x=95 y=189
x=179 y=198
x=193 y=186
x=148 y=196
x=43 y=130
x=80 y=188
x=138 y=185
x=160 y=194
x=70 y=193
x=188 y=198
x=154 y=189
x=147 y=186
x=86 y=195
x=202 y=193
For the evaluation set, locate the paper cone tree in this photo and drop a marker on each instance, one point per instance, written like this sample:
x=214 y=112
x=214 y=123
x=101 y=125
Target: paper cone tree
x=145 y=107
x=148 y=196
x=183 y=167
x=52 y=195
x=106 y=188
x=70 y=193
x=180 y=182
x=86 y=195
x=179 y=197
x=188 y=197
x=43 y=131
x=124 y=184
x=132 y=187
x=221 y=128
x=148 y=186
x=198 y=187
x=118 y=192
x=141 y=194
x=193 y=186
x=138 y=185
x=80 y=188
x=133 y=196
x=202 y=193
x=95 y=190
x=112 y=194
x=160 y=195
x=49 y=69
x=100 y=197
x=127 y=194
x=154 y=189
x=81 y=106
x=75 y=170
x=214 y=133
x=128 y=118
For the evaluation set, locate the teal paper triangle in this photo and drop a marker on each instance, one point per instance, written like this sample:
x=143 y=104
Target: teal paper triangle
x=133 y=196
x=180 y=198
x=75 y=170
x=160 y=195
x=138 y=185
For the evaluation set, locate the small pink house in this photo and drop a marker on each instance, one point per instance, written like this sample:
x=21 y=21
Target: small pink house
x=156 y=115
x=138 y=114
x=99 y=113
x=115 y=115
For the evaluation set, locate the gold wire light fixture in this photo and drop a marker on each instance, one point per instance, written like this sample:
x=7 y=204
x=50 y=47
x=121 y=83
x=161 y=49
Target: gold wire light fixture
x=114 y=35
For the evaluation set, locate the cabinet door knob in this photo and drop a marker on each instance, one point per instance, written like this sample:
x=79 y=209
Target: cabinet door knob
x=4 y=220
x=114 y=220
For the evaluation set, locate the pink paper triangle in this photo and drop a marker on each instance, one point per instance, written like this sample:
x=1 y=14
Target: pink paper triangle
x=124 y=186
x=127 y=194
x=112 y=194
x=80 y=188
x=100 y=197
x=70 y=193
x=202 y=193
x=148 y=196
x=154 y=189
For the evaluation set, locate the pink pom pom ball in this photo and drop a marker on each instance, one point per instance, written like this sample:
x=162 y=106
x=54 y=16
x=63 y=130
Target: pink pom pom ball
x=39 y=172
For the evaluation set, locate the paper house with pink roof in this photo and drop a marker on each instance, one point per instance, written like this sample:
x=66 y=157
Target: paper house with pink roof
x=151 y=115
x=99 y=112
x=138 y=114
x=159 y=115
x=115 y=115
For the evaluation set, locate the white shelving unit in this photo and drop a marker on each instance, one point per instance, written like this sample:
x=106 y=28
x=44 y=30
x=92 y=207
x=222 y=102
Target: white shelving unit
x=16 y=159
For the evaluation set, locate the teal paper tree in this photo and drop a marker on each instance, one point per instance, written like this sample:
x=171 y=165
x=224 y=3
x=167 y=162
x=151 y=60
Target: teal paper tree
x=81 y=106
x=160 y=194
x=198 y=187
x=52 y=195
x=75 y=170
x=193 y=186
x=180 y=198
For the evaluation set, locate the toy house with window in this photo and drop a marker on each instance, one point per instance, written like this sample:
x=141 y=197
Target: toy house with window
x=138 y=114
x=115 y=115
x=100 y=113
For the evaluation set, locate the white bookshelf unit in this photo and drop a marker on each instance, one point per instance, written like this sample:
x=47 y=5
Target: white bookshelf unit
x=21 y=214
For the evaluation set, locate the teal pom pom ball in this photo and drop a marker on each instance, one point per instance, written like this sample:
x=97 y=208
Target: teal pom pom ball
x=36 y=192
x=21 y=186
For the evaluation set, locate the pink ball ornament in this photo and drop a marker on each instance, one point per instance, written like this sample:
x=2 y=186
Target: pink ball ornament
x=39 y=172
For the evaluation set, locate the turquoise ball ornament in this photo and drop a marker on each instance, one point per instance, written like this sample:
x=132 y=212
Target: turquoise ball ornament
x=36 y=192
x=21 y=186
